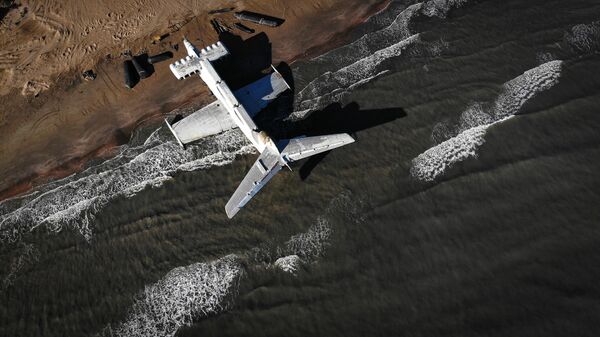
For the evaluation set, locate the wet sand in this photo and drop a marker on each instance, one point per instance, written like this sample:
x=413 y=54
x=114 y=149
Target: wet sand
x=53 y=122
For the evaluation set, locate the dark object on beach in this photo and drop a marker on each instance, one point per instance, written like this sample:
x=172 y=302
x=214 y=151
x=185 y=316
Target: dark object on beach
x=160 y=57
x=258 y=18
x=131 y=75
x=89 y=75
x=175 y=47
x=226 y=26
x=140 y=67
x=243 y=28
x=221 y=10
x=217 y=26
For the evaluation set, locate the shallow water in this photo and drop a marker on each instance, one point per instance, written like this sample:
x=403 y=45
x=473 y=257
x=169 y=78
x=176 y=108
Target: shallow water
x=467 y=206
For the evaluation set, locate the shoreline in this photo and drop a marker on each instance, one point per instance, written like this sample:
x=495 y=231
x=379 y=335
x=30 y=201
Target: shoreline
x=156 y=102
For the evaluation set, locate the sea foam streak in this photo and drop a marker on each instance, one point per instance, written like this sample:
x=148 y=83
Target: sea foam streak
x=475 y=121
x=73 y=201
x=186 y=294
x=584 y=38
x=394 y=32
x=311 y=244
x=28 y=255
x=331 y=86
x=440 y=8
x=183 y=295
x=360 y=61
x=288 y=264
x=369 y=43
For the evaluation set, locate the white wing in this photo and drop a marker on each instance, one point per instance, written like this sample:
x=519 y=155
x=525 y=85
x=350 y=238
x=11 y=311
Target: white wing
x=266 y=167
x=299 y=148
x=210 y=120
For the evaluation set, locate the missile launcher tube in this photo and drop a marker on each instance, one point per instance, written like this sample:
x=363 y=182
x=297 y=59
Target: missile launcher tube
x=256 y=18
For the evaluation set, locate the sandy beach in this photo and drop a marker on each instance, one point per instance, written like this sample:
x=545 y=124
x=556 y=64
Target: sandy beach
x=52 y=121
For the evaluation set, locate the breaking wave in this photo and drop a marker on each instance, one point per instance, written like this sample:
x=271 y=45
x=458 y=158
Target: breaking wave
x=435 y=161
x=584 y=38
x=440 y=8
x=311 y=244
x=331 y=86
x=371 y=42
x=468 y=135
x=183 y=295
x=361 y=61
x=393 y=32
x=186 y=294
x=72 y=202
x=288 y=264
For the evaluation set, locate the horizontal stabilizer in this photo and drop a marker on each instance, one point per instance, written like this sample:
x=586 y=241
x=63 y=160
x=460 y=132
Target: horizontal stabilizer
x=186 y=67
x=257 y=95
x=266 y=167
x=210 y=120
x=191 y=64
x=300 y=148
x=214 y=51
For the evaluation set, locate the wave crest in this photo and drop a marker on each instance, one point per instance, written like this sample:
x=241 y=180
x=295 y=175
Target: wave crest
x=183 y=294
x=72 y=202
x=475 y=121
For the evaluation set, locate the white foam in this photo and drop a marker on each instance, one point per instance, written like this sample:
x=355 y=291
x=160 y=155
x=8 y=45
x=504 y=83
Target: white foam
x=369 y=43
x=522 y=88
x=474 y=115
x=189 y=293
x=358 y=62
x=474 y=122
x=584 y=38
x=440 y=8
x=288 y=264
x=311 y=244
x=331 y=86
x=28 y=254
x=72 y=202
x=184 y=294
x=435 y=161
x=543 y=57
x=361 y=60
